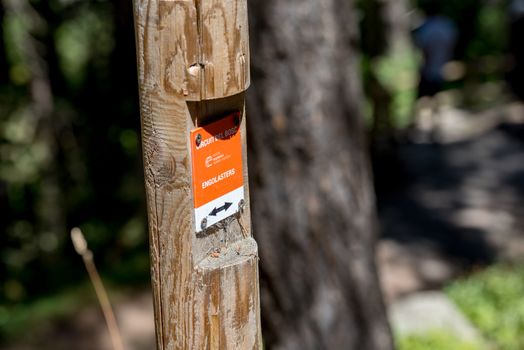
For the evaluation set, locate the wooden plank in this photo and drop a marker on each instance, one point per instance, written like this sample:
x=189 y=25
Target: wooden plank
x=205 y=287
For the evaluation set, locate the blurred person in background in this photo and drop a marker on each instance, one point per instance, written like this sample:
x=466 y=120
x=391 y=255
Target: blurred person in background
x=436 y=38
x=516 y=76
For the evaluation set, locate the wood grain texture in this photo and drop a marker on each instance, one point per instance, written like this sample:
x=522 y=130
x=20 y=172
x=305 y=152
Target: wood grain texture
x=225 y=51
x=201 y=300
x=204 y=46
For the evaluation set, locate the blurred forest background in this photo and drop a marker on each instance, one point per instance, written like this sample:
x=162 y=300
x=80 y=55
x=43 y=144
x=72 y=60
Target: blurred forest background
x=70 y=156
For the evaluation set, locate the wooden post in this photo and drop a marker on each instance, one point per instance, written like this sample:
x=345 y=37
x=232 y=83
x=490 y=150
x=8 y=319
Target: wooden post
x=193 y=66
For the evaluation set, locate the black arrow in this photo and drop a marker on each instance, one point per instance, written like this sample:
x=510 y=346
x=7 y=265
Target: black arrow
x=225 y=207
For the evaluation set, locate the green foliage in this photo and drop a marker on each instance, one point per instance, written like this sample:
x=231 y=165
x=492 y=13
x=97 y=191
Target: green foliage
x=482 y=45
x=77 y=38
x=436 y=340
x=15 y=34
x=398 y=72
x=491 y=31
x=69 y=147
x=494 y=301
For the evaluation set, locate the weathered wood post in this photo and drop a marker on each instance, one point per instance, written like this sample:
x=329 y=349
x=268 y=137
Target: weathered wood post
x=193 y=64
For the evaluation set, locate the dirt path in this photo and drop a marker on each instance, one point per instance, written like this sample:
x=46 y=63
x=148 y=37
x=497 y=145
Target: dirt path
x=452 y=205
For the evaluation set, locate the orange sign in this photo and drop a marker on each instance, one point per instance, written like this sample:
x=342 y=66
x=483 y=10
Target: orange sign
x=218 y=182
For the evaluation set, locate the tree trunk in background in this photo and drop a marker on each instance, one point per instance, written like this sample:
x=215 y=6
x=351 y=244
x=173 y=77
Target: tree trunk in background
x=44 y=31
x=50 y=218
x=398 y=26
x=313 y=202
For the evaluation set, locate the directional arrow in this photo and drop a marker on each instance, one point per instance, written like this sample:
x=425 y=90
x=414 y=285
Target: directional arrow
x=225 y=207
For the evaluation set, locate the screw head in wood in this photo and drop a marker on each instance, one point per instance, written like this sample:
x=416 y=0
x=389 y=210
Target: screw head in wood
x=203 y=224
x=198 y=140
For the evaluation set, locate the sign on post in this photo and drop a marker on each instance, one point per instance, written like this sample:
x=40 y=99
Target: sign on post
x=218 y=182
